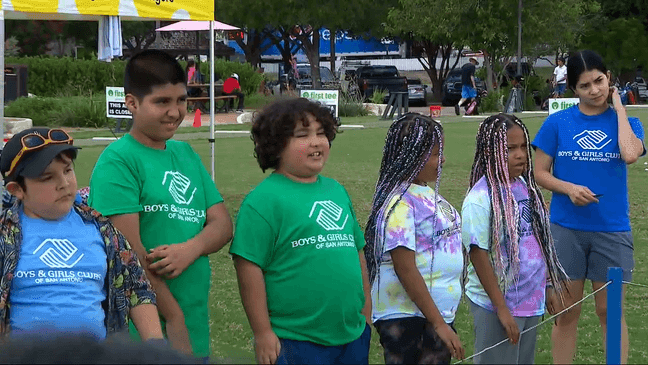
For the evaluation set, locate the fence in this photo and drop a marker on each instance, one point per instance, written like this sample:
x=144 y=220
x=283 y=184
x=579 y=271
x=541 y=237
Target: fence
x=614 y=298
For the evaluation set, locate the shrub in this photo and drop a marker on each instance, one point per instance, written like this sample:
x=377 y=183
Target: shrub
x=494 y=101
x=351 y=106
x=379 y=96
x=74 y=111
x=65 y=76
x=249 y=79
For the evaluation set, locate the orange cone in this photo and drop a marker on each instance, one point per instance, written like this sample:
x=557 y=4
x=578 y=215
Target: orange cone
x=197 y=121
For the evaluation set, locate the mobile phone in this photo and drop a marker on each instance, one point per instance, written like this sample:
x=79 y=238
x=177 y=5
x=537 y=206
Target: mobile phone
x=598 y=195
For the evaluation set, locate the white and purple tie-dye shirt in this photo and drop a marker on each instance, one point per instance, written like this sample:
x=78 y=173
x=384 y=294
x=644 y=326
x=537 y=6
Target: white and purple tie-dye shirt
x=527 y=298
x=436 y=239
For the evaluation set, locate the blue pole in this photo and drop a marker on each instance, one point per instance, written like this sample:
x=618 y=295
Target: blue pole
x=613 y=337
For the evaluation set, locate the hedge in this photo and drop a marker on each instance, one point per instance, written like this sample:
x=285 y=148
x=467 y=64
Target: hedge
x=73 y=111
x=65 y=76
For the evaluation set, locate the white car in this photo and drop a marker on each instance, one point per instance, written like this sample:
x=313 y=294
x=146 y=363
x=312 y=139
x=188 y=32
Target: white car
x=417 y=92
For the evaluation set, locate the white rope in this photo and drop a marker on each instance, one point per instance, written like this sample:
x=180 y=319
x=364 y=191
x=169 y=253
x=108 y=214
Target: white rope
x=537 y=325
x=635 y=284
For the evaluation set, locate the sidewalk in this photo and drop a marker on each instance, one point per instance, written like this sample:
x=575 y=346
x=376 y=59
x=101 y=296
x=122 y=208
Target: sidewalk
x=219 y=119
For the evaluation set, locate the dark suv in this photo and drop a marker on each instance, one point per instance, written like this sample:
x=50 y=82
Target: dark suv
x=451 y=88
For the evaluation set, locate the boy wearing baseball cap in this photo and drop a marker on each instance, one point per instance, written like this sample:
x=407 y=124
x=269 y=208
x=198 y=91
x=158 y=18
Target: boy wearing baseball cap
x=231 y=86
x=64 y=268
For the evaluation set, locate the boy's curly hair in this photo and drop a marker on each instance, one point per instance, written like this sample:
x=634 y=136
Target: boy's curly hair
x=274 y=125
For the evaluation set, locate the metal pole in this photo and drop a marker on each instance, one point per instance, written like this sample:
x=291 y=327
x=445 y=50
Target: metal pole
x=2 y=77
x=613 y=336
x=519 y=50
x=211 y=98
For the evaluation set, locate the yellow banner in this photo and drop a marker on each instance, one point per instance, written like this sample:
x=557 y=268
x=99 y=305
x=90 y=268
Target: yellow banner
x=154 y=9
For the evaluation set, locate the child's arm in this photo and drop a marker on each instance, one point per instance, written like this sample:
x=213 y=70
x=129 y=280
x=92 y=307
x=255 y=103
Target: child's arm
x=578 y=194
x=405 y=266
x=128 y=225
x=253 y=296
x=147 y=321
x=366 y=311
x=484 y=269
x=174 y=259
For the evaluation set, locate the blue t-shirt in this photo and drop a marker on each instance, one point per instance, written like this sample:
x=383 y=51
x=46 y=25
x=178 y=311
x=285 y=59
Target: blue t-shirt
x=59 y=283
x=585 y=151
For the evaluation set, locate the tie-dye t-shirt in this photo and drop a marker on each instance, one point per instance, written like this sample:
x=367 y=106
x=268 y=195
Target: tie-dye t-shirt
x=436 y=239
x=527 y=298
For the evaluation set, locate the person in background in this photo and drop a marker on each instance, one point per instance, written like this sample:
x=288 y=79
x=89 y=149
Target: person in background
x=468 y=86
x=231 y=86
x=559 y=77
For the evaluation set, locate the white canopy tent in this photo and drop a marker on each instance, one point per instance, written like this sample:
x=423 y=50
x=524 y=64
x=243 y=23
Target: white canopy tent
x=93 y=10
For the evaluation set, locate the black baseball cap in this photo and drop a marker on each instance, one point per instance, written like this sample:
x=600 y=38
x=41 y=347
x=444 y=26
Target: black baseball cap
x=32 y=163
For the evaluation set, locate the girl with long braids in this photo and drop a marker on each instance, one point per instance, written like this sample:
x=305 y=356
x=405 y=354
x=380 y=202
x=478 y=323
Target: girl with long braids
x=506 y=230
x=414 y=254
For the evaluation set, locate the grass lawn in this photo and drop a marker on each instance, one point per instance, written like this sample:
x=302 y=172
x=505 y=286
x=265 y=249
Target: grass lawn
x=354 y=162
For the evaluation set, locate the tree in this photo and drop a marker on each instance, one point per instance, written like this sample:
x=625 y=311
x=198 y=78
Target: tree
x=304 y=20
x=429 y=24
x=33 y=36
x=623 y=51
x=138 y=35
x=491 y=26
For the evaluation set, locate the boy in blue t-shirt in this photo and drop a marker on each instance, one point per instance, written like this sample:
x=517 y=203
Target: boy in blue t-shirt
x=65 y=269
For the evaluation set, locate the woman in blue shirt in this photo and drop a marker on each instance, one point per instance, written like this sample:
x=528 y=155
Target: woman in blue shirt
x=589 y=147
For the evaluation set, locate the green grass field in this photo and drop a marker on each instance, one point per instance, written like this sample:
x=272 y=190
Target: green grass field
x=354 y=162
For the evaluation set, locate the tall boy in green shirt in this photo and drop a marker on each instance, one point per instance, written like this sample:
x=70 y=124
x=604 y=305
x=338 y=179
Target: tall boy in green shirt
x=157 y=192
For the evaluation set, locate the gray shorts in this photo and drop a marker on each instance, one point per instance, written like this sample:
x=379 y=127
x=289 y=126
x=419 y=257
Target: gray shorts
x=587 y=255
x=489 y=331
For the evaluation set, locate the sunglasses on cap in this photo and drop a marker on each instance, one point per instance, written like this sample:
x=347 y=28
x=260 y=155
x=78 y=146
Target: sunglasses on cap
x=32 y=142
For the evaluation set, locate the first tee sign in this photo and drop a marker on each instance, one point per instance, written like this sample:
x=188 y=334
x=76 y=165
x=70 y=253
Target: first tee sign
x=116 y=103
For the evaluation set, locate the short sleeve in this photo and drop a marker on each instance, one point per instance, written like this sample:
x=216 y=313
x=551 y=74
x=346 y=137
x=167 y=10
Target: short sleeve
x=254 y=238
x=358 y=234
x=400 y=230
x=475 y=224
x=114 y=188
x=638 y=130
x=212 y=195
x=547 y=137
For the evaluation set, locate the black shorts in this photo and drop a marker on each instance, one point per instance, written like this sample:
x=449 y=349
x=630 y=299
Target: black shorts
x=412 y=340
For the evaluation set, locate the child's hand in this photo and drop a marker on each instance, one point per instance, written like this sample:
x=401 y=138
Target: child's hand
x=171 y=260
x=451 y=340
x=581 y=195
x=511 y=328
x=178 y=335
x=267 y=347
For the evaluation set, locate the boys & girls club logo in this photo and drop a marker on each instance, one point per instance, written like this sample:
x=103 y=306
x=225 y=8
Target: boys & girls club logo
x=179 y=186
x=328 y=215
x=592 y=140
x=59 y=254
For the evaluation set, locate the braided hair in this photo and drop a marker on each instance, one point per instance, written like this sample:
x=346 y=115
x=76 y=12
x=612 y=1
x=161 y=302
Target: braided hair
x=491 y=162
x=408 y=146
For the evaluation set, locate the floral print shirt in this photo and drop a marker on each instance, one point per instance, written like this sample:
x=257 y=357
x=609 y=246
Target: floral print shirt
x=127 y=285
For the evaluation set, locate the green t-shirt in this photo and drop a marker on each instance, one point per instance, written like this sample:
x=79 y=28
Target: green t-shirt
x=171 y=190
x=306 y=240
